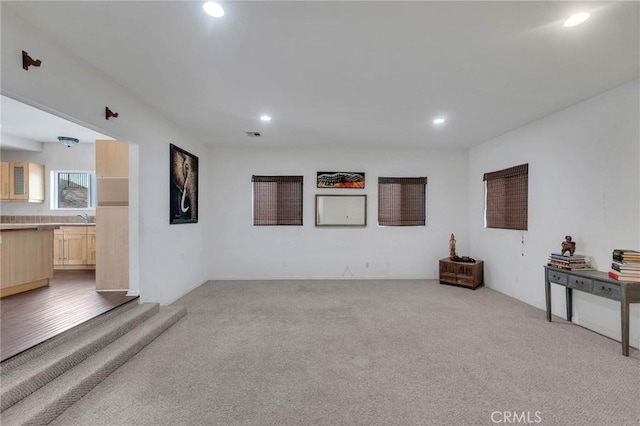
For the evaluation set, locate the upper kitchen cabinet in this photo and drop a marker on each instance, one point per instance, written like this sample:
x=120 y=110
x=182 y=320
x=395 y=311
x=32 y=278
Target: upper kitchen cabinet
x=4 y=181
x=22 y=182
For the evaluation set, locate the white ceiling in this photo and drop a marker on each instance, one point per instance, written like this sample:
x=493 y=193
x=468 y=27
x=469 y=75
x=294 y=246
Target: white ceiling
x=22 y=125
x=350 y=73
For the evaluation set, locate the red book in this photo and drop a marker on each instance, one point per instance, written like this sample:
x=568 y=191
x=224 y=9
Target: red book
x=620 y=277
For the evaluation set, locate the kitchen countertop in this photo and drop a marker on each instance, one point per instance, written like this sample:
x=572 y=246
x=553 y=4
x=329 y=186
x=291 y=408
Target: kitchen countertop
x=38 y=226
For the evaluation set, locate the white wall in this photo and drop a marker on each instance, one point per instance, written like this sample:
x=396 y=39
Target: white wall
x=240 y=250
x=54 y=156
x=584 y=181
x=170 y=260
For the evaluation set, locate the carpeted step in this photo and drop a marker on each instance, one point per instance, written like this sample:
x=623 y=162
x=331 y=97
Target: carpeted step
x=64 y=337
x=42 y=366
x=47 y=403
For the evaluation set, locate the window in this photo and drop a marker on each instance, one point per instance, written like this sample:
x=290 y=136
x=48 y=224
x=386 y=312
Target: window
x=277 y=200
x=73 y=190
x=402 y=201
x=506 y=198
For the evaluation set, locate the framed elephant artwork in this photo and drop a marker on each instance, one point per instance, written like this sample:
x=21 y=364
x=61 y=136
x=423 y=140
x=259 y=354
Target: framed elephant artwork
x=183 y=192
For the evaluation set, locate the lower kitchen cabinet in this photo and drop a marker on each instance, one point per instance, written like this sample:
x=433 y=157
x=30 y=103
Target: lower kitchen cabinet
x=91 y=245
x=74 y=247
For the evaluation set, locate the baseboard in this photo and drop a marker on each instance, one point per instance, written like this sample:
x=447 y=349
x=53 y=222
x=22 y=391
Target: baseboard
x=74 y=267
x=184 y=293
x=8 y=291
x=330 y=278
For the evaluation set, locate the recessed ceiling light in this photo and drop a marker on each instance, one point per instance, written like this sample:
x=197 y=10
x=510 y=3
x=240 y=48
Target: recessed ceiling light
x=576 y=19
x=213 y=9
x=439 y=120
x=265 y=117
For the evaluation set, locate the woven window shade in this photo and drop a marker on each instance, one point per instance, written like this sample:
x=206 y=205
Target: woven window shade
x=402 y=201
x=507 y=198
x=277 y=200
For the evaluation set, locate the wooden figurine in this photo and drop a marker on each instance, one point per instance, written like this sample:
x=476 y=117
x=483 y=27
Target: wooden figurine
x=452 y=246
x=568 y=245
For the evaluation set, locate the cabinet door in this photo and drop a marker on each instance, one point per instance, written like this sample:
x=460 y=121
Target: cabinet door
x=112 y=159
x=58 y=247
x=19 y=181
x=112 y=249
x=91 y=245
x=4 y=181
x=75 y=249
x=35 y=182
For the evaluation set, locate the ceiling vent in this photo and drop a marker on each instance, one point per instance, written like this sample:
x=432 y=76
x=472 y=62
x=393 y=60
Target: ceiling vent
x=254 y=134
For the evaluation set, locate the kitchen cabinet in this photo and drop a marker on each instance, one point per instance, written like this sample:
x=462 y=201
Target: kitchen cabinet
x=26 y=257
x=91 y=245
x=112 y=159
x=112 y=266
x=22 y=182
x=74 y=247
x=4 y=181
x=112 y=215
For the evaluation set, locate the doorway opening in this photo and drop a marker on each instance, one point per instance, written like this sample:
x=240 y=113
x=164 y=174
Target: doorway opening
x=31 y=317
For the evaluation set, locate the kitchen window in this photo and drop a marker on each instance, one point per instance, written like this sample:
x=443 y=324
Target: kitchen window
x=72 y=190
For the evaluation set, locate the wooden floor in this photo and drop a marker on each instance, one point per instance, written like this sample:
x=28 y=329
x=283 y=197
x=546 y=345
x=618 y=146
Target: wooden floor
x=30 y=318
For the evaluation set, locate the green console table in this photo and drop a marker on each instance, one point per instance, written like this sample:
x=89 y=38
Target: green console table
x=597 y=283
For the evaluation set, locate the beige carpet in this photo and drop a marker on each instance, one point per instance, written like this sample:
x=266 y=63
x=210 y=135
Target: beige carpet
x=366 y=353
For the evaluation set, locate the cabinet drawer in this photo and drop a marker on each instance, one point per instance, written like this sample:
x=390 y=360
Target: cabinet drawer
x=447 y=277
x=612 y=291
x=579 y=283
x=557 y=277
x=73 y=230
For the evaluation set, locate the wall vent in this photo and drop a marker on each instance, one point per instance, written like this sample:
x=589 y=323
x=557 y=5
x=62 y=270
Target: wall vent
x=254 y=134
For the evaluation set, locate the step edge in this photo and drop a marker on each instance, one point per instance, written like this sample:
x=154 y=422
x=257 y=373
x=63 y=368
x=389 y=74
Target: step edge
x=48 y=397
x=55 y=341
x=90 y=333
x=18 y=384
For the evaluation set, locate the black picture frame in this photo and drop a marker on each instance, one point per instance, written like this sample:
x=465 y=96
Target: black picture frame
x=183 y=190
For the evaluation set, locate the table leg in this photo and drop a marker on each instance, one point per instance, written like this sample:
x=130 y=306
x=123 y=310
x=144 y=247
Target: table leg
x=569 y=298
x=547 y=294
x=624 y=318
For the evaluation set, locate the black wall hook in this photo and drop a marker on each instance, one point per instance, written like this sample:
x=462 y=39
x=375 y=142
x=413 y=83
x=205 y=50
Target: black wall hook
x=28 y=61
x=108 y=113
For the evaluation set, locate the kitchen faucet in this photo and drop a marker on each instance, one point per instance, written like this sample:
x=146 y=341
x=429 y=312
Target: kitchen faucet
x=84 y=216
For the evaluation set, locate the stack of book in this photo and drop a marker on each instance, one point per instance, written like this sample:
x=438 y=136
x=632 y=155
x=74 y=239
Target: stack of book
x=625 y=265
x=577 y=261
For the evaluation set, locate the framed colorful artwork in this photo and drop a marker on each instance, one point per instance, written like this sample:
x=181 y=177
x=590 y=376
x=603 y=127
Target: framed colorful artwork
x=341 y=180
